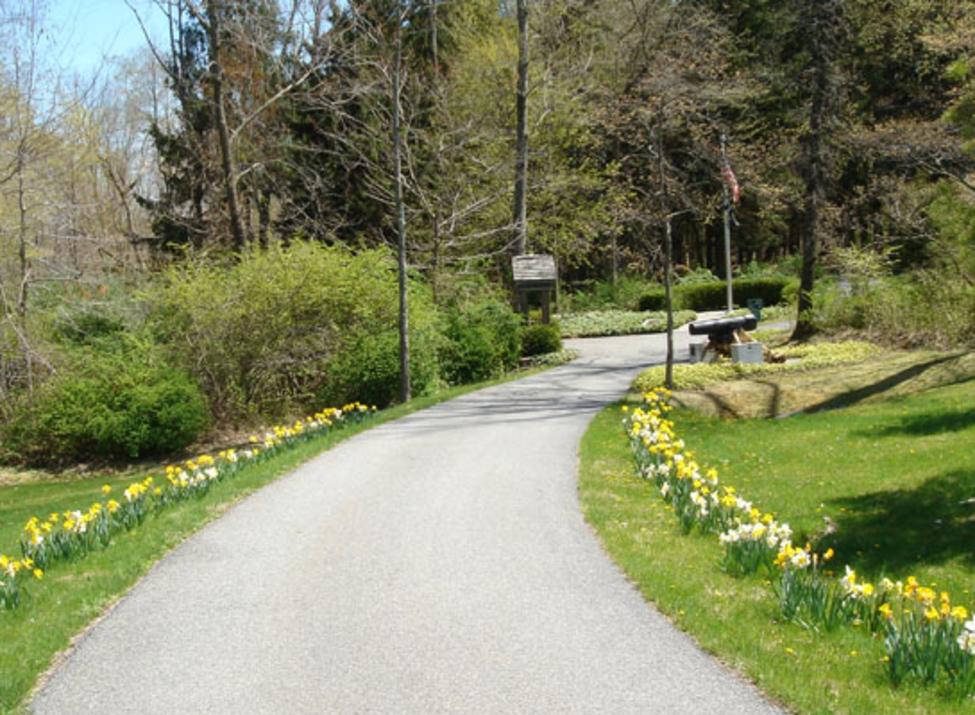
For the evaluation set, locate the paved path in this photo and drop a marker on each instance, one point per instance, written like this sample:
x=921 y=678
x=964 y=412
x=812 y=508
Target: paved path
x=438 y=563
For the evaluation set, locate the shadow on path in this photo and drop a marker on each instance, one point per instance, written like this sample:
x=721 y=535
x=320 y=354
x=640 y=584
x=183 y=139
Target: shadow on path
x=551 y=397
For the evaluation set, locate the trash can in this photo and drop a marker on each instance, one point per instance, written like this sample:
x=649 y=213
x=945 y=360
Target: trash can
x=755 y=305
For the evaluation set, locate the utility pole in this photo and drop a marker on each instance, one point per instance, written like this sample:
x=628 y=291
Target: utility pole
x=668 y=262
x=437 y=90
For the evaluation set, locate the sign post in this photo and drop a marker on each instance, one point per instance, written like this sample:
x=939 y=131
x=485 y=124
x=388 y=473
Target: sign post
x=534 y=274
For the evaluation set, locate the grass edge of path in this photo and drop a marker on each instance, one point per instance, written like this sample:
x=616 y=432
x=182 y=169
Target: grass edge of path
x=734 y=620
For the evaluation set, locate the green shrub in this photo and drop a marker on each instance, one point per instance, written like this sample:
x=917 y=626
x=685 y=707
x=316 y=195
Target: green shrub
x=698 y=275
x=279 y=330
x=597 y=295
x=111 y=401
x=482 y=341
x=770 y=290
x=541 y=339
x=705 y=296
x=790 y=294
x=713 y=296
x=368 y=369
x=654 y=299
x=915 y=310
x=86 y=325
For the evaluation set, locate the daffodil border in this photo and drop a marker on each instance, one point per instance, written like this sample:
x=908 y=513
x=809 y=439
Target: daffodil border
x=74 y=533
x=927 y=639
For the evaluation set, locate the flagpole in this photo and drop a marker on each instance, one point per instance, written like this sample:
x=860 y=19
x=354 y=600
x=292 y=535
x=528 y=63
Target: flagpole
x=727 y=230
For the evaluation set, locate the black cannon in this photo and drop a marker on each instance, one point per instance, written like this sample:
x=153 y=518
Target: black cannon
x=728 y=337
x=722 y=330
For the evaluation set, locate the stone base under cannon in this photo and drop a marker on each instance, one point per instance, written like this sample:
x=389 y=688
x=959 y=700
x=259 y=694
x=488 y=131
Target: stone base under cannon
x=728 y=337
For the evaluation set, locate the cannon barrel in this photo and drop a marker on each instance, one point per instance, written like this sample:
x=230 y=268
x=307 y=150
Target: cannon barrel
x=722 y=326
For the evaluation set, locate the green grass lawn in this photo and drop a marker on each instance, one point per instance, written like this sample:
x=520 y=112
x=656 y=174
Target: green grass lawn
x=72 y=594
x=895 y=476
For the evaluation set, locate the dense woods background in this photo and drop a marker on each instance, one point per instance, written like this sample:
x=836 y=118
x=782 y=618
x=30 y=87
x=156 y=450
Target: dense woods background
x=221 y=209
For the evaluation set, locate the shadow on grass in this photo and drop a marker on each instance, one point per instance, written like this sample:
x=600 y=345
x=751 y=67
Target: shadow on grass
x=852 y=397
x=927 y=423
x=893 y=531
x=775 y=398
x=722 y=407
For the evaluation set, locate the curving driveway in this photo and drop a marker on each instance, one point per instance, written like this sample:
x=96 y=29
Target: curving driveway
x=438 y=563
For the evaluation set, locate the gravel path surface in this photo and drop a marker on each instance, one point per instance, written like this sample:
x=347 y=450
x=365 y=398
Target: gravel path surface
x=438 y=563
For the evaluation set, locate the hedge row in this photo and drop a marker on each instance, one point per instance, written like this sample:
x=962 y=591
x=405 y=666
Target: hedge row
x=712 y=296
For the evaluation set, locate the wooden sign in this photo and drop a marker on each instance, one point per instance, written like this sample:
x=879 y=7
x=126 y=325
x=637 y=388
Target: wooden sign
x=534 y=272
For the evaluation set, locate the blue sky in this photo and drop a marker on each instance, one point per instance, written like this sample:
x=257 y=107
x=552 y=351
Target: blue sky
x=88 y=30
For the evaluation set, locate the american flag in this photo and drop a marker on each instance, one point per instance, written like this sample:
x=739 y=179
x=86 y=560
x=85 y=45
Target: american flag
x=732 y=181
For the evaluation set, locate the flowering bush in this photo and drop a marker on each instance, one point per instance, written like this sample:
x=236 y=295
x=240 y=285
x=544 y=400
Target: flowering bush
x=927 y=639
x=72 y=534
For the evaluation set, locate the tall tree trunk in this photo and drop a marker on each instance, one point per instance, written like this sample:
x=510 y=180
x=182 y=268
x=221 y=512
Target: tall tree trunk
x=521 y=135
x=197 y=231
x=823 y=15
x=264 y=217
x=247 y=214
x=226 y=156
x=22 y=253
x=404 y=323
x=25 y=269
x=614 y=265
x=701 y=244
